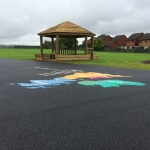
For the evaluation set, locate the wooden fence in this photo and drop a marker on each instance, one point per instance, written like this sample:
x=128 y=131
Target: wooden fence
x=65 y=51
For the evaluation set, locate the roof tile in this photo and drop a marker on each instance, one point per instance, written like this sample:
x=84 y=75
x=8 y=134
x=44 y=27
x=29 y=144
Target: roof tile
x=134 y=36
x=145 y=37
x=66 y=27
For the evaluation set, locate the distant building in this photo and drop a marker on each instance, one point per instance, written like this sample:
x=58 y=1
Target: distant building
x=133 y=40
x=105 y=38
x=117 y=41
x=145 y=40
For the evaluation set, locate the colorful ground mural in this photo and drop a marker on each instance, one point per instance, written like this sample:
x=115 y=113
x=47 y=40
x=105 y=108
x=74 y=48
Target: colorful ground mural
x=94 y=79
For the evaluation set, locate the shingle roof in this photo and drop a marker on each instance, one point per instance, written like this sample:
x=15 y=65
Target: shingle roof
x=115 y=39
x=66 y=27
x=102 y=37
x=110 y=43
x=134 y=36
x=145 y=37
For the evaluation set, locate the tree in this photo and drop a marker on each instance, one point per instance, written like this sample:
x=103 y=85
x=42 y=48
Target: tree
x=95 y=42
x=76 y=44
x=47 y=44
x=99 y=43
x=66 y=42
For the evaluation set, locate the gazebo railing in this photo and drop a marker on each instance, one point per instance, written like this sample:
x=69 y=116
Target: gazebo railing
x=66 y=51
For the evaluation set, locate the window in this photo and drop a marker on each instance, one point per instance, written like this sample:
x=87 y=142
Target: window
x=146 y=41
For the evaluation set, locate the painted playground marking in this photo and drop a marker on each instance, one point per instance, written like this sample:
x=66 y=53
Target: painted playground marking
x=81 y=79
x=53 y=72
x=109 y=83
x=34 y=84
x=92 y=75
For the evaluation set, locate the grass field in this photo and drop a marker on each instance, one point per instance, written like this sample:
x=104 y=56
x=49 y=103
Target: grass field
x=121 y=60
x=24 y=54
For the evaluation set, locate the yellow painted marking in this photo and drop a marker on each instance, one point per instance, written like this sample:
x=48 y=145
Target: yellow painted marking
x=91 y=75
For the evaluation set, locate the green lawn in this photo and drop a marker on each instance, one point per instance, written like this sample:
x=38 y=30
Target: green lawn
x=25 y=54
x=121 y=60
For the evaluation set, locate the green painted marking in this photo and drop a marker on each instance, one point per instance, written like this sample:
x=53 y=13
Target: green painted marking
x=109 y=83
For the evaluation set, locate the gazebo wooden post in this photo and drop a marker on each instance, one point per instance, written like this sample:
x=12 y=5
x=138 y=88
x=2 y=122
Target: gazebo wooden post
x=52 y=44
x=75 y=45
x=92 y=46
x=41 y=45
x=86 y=46
x=57 y=44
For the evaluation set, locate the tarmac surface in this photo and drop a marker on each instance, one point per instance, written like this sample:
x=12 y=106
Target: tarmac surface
x=40 y=111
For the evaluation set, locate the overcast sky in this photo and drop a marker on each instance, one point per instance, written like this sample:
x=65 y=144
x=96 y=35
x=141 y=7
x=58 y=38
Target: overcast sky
x=21 y=20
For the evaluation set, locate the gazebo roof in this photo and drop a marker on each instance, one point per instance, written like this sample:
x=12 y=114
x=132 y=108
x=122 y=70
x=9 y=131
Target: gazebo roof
x=66 y=29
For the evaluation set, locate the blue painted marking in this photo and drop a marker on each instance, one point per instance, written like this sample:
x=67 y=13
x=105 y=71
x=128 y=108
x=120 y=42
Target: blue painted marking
x=46 y=83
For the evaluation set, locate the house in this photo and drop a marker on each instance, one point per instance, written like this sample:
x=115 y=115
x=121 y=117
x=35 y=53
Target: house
x=105 y=38
x=117 y=41
x=133 y=40
x=145 y=40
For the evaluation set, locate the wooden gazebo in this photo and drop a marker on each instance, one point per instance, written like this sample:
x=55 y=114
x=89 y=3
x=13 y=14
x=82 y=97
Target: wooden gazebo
x=66 y=30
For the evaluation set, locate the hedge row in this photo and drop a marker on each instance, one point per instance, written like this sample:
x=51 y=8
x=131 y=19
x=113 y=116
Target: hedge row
x=20 y=46
x=133 y=50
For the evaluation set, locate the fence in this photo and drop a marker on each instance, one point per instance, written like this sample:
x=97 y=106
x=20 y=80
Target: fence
x=20 y=46
x=133 y=50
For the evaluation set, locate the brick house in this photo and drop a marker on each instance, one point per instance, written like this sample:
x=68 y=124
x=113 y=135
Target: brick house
x=133 y=40
x=145 y=40
x=117 y=41
x=105 y=38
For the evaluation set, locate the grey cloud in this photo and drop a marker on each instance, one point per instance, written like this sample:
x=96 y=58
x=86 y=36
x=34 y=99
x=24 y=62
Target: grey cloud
x=21 y=18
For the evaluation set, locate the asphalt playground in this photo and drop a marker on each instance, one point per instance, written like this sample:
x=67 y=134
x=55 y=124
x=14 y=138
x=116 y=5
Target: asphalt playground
x=60 y=106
